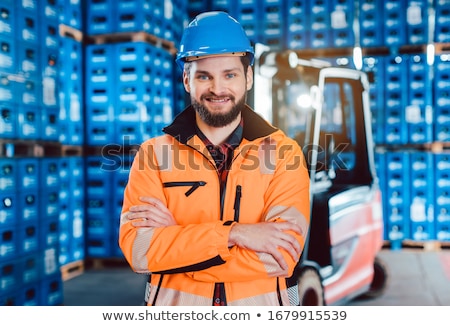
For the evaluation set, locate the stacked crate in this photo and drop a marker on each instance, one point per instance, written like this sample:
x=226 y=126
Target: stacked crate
x=129 y=95
x=29 y=159
x=29 y=229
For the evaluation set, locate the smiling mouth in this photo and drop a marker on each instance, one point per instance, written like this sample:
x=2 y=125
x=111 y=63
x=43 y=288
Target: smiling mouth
x=217 y=100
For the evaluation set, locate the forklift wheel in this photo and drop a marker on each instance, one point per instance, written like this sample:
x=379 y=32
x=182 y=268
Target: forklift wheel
x=310 y=288
x=379 y=281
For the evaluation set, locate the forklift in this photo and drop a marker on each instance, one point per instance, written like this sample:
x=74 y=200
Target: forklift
x=325 y=108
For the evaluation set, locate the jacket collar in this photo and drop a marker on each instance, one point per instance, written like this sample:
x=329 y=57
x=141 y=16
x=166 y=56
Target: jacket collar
x=183 y=126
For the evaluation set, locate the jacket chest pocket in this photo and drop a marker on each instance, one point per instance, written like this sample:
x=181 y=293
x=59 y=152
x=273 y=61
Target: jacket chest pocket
x=190 y=186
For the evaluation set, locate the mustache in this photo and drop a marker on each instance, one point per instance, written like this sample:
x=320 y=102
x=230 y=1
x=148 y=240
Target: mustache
x=216 y=97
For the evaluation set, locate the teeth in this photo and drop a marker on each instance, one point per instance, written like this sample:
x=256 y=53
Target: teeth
x=218 y=100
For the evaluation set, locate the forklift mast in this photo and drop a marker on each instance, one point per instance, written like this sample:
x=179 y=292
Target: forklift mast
x=326 y=110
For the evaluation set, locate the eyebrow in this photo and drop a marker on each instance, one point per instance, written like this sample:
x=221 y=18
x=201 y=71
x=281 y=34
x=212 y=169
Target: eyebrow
x=205 y=72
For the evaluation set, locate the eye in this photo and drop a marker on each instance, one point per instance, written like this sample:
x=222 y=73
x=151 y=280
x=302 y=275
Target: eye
x=202 y=77
x=230 y=75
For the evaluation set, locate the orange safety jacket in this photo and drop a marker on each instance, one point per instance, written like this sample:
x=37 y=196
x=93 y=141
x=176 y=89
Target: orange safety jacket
x=267 y=181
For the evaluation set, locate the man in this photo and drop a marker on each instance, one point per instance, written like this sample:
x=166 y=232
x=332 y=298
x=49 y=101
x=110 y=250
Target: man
x=216 y=209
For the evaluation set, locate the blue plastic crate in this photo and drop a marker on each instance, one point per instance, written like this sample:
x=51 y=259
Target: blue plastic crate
x=27 y=26
x=8 y=121
x=197 y=6
x=8 y=55
x=398 y=190
x=9 y=275
x=50 y=124
x=7 y=89
x=49 y=262
x=99 y=246
x=10 y=299
x=320 y=24
x=28 y=205
x=394 y=23
x=248 y=14
x=8 y=175
x=49 y=169
x=29 y=122
x=442 y=22
x=8 y=208
x=442 y=195
x=78 y=249
x=100 y=132
x=8 y=241
x=341 y=22
x=417 y=16
x=443 y=232
x=30 y=295
x=27 y=5
x=7 y=20
x=49 y=232
x=29 y=92
x=97 y=206
x=76 y=165
x=419 y=73
x=30 y=268
x=395 y=233
x=271 y=34
x=28 y=234
x=48 y=10
x=99 y=225
x=49 y=203
x=49 y=64
x=28 y=173
x=70 y=13
x=71 y=133
x=422 y=196
x=99 y=18
x=441 y=98
x=131 y=20
x=371 y=21
x=272 y=10
x=52 y=291
x=49 y=33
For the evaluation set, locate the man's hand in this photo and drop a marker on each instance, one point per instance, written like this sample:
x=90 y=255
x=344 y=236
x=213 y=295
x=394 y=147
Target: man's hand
x=268 y=237
x=153 y=214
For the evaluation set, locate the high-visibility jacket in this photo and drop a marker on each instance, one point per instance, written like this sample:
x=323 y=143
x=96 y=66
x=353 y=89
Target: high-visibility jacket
x=267 y=181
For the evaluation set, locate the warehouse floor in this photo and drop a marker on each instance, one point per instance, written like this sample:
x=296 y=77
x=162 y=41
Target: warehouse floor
x=417 y=277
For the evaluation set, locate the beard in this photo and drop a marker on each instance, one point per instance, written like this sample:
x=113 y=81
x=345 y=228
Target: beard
x=218 y=120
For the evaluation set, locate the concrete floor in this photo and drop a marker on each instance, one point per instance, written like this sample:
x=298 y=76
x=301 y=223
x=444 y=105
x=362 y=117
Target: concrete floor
x=417 y=277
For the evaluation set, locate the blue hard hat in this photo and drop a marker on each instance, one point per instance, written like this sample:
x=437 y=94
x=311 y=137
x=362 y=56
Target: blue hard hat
x=213 y=33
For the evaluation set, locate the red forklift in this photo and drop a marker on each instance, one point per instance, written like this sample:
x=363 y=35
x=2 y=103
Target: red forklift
x=326 y=109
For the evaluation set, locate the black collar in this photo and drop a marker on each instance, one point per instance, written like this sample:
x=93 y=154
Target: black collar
x=183 y=126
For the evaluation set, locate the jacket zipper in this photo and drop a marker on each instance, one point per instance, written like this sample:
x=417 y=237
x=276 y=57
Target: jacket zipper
x=194 y=185
x=237 y=202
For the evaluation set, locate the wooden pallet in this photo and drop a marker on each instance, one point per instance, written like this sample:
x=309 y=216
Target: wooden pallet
x=71 y=150
x=70 y=32
x=72 y=270
x=441 y=48
x=102 y=263
x=132 y=37
x=430 y=245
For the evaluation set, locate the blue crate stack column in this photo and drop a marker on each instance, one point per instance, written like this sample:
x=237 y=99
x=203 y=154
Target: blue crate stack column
x=129 y=95
x=422 y=196
x=442 y=197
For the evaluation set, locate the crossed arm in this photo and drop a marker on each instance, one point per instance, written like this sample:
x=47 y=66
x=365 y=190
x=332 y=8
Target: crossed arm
x=263 y=237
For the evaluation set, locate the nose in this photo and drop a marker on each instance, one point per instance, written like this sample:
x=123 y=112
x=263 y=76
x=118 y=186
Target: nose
x=217 y=86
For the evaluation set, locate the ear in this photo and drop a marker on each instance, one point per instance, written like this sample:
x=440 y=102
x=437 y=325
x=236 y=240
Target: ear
x=249 y=78
x=186 y=82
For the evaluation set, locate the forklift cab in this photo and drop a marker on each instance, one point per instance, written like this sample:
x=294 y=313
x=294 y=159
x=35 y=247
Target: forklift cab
x=326 y=110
